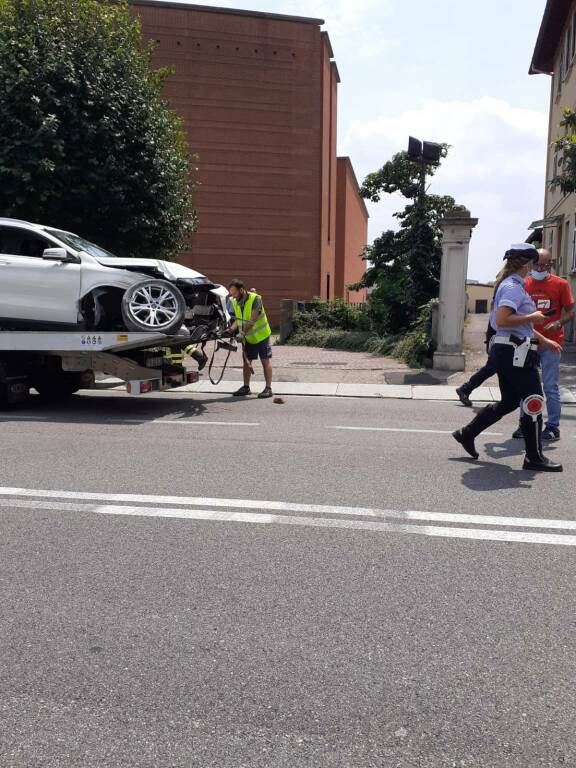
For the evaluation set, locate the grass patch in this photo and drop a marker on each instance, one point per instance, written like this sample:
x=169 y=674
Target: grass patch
x=348 y=341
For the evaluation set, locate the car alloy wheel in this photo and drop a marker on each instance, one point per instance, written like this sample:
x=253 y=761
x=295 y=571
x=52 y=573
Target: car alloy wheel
x=153 y=306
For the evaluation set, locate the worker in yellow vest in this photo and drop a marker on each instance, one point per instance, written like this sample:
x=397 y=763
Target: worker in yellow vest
x=252 y=328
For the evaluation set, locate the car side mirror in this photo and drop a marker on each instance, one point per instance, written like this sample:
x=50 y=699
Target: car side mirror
x=55 y=254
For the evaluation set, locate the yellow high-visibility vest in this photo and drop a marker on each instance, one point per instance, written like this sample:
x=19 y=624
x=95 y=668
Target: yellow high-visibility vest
x=253 y=333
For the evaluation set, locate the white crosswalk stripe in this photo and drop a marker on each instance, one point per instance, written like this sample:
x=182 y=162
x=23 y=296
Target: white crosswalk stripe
x=469 y=526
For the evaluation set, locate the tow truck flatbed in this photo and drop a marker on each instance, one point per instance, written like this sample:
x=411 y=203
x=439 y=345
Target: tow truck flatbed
x=55 y=342
x=56 y=364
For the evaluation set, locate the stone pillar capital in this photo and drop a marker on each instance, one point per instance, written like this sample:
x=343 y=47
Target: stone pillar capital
x=457 y=226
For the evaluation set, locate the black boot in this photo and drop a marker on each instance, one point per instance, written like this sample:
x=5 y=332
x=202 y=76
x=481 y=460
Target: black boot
x=466 y=436
x=201 y=358
x=518 y=434
x=464 y=396
x=535 y=460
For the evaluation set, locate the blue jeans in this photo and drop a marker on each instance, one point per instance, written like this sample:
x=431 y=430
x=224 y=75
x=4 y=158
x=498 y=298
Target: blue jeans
x=550 y=362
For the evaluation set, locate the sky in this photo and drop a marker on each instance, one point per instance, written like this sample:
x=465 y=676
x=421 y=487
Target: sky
x=452 y=71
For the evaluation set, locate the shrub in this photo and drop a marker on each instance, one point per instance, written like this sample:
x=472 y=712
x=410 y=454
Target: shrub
x=332 y=314
x=86 y=141
x=415 y=346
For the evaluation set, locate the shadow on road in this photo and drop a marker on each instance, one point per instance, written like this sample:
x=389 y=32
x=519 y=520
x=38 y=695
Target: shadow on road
x=88 y=409
x=492 y=476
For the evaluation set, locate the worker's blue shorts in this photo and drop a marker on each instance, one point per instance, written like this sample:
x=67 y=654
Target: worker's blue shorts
x=262 y=350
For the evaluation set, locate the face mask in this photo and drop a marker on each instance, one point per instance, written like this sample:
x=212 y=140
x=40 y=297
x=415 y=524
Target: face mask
x=540 y=275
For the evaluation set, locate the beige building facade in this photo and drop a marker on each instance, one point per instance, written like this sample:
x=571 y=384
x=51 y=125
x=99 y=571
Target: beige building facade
x=555 y=55
x=479 y=297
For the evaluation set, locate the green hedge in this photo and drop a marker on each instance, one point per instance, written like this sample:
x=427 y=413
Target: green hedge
x=335 y=314
x=311 y=330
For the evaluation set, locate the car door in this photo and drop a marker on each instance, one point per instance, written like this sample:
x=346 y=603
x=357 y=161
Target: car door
x=32 y=288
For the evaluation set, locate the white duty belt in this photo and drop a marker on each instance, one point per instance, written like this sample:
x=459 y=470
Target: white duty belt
x=520 y=349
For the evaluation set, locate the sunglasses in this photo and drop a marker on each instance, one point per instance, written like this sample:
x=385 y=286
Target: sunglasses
x=544 y=267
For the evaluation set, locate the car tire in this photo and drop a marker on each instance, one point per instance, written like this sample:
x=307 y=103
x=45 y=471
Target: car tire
x=153 y=306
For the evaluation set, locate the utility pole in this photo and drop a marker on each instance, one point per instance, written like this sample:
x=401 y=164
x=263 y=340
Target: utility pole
x=424 y=153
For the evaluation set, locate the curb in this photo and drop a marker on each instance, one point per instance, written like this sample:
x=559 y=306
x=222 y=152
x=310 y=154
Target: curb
x=371 y=391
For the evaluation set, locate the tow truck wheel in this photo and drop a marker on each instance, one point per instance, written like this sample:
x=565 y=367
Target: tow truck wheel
x=153 y=306
x=60 y=386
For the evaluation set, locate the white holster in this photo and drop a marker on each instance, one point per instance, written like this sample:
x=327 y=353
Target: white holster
x=521 y=353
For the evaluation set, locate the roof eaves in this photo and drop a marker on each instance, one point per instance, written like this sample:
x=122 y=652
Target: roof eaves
x=553 y=21
x=231 y=11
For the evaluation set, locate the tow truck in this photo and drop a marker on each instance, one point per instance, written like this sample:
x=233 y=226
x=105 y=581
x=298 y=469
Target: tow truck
x=58 y=364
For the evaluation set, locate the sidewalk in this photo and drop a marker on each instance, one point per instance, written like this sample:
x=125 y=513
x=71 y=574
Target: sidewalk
x=309 y=371
x=334 y=373
x=385 y=391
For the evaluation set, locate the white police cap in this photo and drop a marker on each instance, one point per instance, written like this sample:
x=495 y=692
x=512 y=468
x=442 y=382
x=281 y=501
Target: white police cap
x=525 y=251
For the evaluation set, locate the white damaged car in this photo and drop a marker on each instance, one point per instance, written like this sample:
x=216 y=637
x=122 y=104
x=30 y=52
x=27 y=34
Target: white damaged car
x=56 y=280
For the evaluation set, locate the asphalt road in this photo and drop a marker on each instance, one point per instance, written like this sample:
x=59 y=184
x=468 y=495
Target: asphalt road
x=205 y=582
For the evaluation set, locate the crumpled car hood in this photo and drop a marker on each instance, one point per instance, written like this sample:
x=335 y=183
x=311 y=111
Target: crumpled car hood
x=169 y=269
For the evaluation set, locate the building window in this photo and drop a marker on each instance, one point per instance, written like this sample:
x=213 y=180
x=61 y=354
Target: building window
x=566 y=247
x=555 y=167
x=560 y=74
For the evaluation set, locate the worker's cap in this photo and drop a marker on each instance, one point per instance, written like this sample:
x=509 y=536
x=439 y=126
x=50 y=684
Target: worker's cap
x=525 y=251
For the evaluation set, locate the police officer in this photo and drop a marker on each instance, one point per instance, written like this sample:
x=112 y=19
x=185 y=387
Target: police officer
x=485 y=373
x=514 y=356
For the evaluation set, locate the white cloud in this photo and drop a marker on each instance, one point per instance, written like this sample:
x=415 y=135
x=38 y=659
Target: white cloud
x=451 y=121
x=343 y=18
x=350 y=23
x=495 y=167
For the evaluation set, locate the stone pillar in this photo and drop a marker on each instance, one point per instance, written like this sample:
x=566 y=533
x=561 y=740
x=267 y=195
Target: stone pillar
x=287 y=311
x=457 y=232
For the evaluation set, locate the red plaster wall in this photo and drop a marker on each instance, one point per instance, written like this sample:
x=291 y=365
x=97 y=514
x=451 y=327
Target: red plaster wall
x=351 y=232
x=254 y=94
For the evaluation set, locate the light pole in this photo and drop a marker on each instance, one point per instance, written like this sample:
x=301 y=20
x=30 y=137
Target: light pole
x=424 y=153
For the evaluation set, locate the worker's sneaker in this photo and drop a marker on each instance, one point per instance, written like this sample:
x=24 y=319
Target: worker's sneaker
x=463 y=397
x=266 y=392
x=551 y=434
x=242 y=392
x=518 y=435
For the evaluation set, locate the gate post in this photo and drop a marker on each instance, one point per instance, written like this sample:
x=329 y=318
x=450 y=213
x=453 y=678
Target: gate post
x=457 y=232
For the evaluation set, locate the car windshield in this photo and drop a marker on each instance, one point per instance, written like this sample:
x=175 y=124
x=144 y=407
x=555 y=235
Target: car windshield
x=79 y=244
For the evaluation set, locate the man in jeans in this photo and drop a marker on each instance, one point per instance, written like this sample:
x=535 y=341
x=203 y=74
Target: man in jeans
x=553 y=297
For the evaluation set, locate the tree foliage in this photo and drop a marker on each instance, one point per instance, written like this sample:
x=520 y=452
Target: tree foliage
x=565 y=146
x=404 y=265
x=86 y=141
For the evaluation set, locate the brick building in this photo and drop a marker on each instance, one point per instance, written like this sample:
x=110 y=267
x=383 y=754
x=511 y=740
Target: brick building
x=258 y=96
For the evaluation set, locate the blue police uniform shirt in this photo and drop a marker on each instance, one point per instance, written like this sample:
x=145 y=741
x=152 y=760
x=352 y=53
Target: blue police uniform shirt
x=511 y=293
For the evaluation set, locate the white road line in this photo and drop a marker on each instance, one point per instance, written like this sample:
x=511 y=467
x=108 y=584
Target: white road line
x=314 y=522
x=183 y=423
x=143 y=421
x=284 y=506
x=416 y=431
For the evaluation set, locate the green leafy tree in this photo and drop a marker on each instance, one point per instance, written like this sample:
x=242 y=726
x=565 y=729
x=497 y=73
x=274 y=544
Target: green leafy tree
x=565 y=146
x=86 y=141
x=404 y=265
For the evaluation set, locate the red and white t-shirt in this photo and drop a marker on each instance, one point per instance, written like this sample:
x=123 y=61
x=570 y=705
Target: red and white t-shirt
x=551 y=294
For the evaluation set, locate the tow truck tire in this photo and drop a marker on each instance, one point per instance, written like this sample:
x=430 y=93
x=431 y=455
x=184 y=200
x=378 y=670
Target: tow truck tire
x=153 y=306
x=60 y=386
